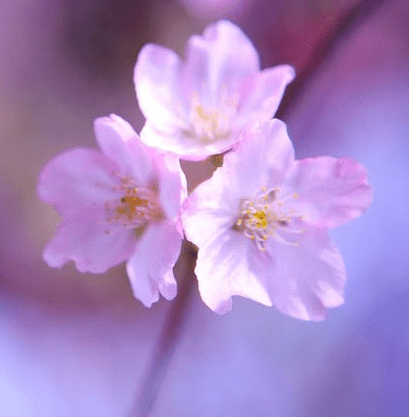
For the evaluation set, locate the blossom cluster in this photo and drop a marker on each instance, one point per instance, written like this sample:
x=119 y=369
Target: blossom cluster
x=260 y=223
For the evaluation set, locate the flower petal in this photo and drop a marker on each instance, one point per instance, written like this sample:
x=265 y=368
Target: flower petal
x=331 y=191
x=172 y=184
x=261 y=159
x=157 y=81
x=211 y=208
x=230 y=265
x=261 y=95
x=219 y=59
x=92 y=243
x=77 y=179
x=308 y=279
x=178 y=142
x=203 y=220
x=118 y=140
x=150 y=267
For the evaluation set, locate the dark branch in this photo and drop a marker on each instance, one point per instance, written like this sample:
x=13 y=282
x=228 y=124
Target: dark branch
x=325 y=49
x=170 y=336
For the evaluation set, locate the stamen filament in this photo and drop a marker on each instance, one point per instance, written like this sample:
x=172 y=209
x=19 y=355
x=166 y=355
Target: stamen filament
x=262 y=216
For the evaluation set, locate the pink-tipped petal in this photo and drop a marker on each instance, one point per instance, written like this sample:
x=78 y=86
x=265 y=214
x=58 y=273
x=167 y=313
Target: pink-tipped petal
x=76 y=179
x=309 y=278
x=150 y=267
x=229 y=265
x=92 y=243
x=221 y=58
x=331 y=191
x=261 y=95
x=118 y=140
x=157 y=81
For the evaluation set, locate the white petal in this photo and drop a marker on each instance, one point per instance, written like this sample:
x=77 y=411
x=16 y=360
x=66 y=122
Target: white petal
x=219 y=60
x=77 y=179
x=231 y=265
x=150 y=268
x=308 y=279
x=261 y=94
x=118 y=140
x=262 y=159
x=92 y=243
x=158 y=82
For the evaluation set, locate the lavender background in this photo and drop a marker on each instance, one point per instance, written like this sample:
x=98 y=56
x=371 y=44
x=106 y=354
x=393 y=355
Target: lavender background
x=78 y=344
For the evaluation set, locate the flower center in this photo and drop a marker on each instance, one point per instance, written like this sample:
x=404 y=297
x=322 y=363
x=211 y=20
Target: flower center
x=210 y=125
x=265 y=216
x=136 y=206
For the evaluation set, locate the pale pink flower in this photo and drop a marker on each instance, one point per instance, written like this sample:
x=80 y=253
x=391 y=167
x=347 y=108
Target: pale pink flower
x=261 y=224
x=198 y=107
x=121 y=204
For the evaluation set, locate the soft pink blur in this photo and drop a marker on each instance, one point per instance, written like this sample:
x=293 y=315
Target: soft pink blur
x=79 y=344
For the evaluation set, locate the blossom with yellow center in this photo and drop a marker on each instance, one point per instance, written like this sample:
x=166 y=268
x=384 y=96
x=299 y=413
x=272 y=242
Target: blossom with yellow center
x=198 y=106
x=119 y=204
x=271 y=244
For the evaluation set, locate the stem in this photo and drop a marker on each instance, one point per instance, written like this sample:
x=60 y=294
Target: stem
x=325 y=49
x=170 y=336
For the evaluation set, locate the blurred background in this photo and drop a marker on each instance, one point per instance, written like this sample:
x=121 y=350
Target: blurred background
x=79 y=344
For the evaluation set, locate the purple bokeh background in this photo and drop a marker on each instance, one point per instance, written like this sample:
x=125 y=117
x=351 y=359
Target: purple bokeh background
x=78 y=344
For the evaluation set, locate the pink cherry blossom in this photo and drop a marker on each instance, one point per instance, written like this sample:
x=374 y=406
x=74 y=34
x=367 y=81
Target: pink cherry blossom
x=121 y=204
x=261 y=225
x=198 y=107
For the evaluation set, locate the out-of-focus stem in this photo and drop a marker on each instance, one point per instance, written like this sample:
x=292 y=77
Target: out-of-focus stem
x=170 y=335
x=325 y=48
